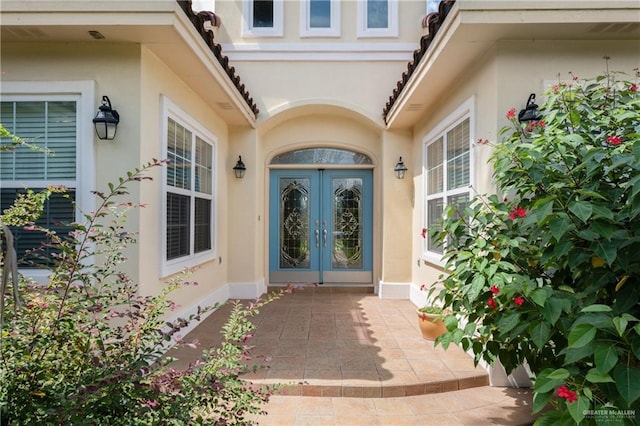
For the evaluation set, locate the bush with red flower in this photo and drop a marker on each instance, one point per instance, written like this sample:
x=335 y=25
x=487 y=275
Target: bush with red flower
x=551 y=275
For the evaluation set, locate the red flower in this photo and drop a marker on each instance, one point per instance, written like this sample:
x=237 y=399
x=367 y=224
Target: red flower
x=614 y=140
x=424 y=233
x=422 y=287
x=569 y=395
x=519 y=300
x=491 y=302
x=517 y=212
x=494 y=289
x=511 y=113
x=633 y=87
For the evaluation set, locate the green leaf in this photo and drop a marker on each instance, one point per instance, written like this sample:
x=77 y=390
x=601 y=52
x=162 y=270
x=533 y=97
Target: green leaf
x=627 y=382
x=602 y=211
x=543 y=209
x=540 y=400
x=475 y=288
x=606 y=250
x=595 y=376
x=636 y=150
x=539 y=296
x=540 y=334
x=578 y=408
x=582 y=209
x=559 y=373
x=596 y=308
x=581 y=334
x=606 y=357
x=507 y=322
x=553 y=308
x=559 y=226
x=620 y=324
x=543 y=383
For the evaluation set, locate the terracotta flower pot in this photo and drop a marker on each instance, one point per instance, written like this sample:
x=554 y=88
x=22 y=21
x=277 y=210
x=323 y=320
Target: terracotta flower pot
x=430 y=325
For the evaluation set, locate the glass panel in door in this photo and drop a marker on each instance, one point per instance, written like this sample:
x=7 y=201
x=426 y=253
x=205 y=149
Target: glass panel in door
x=293 y=244
x=348 y=211
x=321 y=224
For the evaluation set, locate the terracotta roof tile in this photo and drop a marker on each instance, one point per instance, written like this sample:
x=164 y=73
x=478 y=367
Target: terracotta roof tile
x=198 y=21
x=432 y=22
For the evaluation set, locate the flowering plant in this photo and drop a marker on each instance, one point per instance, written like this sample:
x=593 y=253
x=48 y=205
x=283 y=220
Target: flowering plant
x=550 y=275
x=86 y=348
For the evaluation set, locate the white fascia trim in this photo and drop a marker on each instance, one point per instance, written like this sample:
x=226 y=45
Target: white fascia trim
x=401 y=52
x=390 y=31
x=305 y=21
x=169 y=109
x=192 y=38
x=423 y=67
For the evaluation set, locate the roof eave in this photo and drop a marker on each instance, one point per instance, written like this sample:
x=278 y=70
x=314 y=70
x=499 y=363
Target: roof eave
x=468 y=32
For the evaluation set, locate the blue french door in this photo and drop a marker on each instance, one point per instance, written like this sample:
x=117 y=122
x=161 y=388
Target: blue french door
x=320 y=226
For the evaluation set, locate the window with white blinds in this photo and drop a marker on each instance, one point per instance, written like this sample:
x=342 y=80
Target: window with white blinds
x=189 y=193
x=51 y=126
x=448 y=175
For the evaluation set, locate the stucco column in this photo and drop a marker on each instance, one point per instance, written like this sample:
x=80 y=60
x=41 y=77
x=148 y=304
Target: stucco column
x=397 y=208
x=246 y=231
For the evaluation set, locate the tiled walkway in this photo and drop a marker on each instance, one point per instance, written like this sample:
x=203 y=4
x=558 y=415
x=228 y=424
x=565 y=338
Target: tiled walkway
x=353 y=349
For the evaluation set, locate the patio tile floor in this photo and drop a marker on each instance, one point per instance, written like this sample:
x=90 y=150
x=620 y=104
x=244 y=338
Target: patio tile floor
x=330 y=346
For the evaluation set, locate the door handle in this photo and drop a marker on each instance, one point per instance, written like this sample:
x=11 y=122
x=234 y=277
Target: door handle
x=324 y=237
x=317 y=233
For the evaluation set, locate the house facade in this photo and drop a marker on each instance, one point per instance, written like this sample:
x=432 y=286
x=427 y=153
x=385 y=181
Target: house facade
x=320 y=101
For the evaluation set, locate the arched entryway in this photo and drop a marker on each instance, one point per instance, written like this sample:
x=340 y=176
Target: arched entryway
x=321 y=217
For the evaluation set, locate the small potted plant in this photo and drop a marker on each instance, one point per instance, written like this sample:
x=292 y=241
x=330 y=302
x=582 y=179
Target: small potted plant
x=430 y=320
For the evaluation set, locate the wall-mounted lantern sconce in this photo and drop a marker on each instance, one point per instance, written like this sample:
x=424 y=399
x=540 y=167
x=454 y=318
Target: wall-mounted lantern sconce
x=106 y=120
x=530 y=112
x=239 y=168
x=400 y=169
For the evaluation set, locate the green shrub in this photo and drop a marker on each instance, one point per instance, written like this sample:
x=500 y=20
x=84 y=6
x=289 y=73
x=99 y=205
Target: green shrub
x=87 y=349
x=549 y=272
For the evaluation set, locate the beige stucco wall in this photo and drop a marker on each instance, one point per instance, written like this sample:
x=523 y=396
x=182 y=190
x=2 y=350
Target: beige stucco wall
x=157 y=80
x=134 y=79
x=362 y=87
x=502 y=80
x=116 y=71
x=410 y=14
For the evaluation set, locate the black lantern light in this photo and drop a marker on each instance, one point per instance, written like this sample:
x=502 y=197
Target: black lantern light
x=400 y=169
x=530 y=112
x=239 y=168
x=106 y=120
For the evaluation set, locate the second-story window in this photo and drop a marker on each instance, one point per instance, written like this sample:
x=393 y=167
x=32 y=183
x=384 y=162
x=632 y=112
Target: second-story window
x=378 y=18
x=262 y=14
x=262 y=18
x=320 y=18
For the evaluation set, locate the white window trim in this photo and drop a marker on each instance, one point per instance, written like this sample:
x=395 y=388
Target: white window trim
x=390 y=31
x=169 y=267
x=305 y=21
x=464 y=111
x=84 y=93
x=248 y=31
